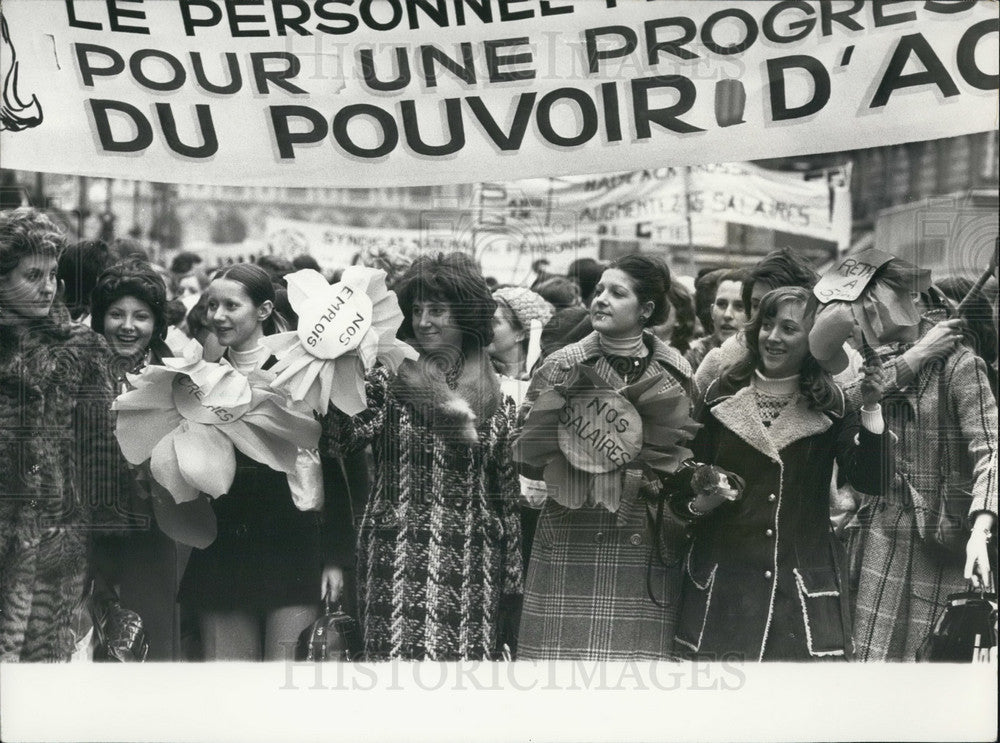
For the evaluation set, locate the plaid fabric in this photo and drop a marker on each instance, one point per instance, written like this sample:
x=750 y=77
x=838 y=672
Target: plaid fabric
x=439 y=543
x=900 y=581
x=586 y=590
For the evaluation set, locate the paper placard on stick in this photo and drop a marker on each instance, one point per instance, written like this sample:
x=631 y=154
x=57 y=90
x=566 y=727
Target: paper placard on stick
x=846 y=282
x=331 y=326
x=599 y=431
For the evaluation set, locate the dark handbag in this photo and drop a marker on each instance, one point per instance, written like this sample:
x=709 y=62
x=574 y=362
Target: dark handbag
x=966 y=632
x=119 y=634
x=334 y=636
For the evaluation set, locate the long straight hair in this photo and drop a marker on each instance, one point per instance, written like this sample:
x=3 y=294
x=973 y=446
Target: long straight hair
x=815 y=383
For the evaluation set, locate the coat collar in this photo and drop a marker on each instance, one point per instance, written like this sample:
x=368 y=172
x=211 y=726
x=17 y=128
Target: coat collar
x=590 y=348
x=738 y=412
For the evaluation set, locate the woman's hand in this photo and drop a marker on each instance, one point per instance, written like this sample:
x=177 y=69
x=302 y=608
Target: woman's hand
x=977 y=552
x=938 y=342
x=332 y=584
x=872 y=385
x=713 y=488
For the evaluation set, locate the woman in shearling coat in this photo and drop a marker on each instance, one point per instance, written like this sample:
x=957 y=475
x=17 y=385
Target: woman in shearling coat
x=763 y=579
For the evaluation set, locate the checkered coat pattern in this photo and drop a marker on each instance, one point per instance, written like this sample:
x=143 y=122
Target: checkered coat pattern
x=439 y=545
x=902 y=582
x=586 y=591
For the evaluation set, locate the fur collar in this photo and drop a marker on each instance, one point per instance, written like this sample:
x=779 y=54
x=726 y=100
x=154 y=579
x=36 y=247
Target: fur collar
x=738 y=412
x=477 y=396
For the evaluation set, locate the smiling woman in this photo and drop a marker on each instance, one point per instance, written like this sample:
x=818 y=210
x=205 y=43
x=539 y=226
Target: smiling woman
x=439 y=554
x=776 y=420
x=128 y=307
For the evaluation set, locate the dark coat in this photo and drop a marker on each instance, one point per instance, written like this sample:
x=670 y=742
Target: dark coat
x=763 y=578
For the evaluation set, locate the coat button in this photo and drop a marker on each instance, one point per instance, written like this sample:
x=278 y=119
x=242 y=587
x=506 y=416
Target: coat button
x=772 y=498
x=769 y=532
x=599 y=537
x=635 y=539
x=768 y=574
x=242 y=530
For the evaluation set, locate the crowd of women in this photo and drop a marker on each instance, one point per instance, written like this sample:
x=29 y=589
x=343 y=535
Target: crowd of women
x=799 y=525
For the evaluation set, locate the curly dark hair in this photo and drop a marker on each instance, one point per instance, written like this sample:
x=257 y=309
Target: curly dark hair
x=26 y=231
x=453 y=279
x=781 y=267
x=130 y=278
x=650 y=282
x=815 y=383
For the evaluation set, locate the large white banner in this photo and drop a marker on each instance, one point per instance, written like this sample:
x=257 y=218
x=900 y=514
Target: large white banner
x=407 y=92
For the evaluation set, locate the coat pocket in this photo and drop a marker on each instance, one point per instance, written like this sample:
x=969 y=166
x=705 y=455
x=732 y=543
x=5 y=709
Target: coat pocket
x=696 y=600
x=820 y=598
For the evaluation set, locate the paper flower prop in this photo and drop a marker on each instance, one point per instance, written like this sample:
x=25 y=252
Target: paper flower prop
x=853 y=305
x=188 y=416
x=585 y=432
x=343 y=329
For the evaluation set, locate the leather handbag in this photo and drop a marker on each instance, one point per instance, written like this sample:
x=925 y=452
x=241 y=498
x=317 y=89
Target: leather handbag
x=966 y=632
x=119 y=634
x=334 y=636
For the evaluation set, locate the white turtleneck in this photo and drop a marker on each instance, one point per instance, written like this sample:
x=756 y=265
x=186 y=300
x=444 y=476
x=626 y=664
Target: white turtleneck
x=248 y=361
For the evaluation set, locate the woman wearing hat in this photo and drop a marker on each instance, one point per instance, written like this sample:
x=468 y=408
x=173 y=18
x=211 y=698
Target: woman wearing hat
x=517 y=329
x=945 y=417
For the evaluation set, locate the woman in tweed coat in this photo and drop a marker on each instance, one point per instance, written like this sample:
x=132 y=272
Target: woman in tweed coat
x=946 y=421
x=439 y=553
x=60 y=472
x=586 y=591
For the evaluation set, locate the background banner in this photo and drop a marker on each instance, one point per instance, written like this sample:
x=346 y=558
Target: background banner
x=421 y=92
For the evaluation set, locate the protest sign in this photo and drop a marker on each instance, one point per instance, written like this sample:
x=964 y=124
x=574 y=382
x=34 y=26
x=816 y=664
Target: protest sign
x=660 y=204
x=405 y=92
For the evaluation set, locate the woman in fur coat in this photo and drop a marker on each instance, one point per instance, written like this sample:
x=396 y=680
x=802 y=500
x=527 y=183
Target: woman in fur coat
x=60 y=472
x=439 y=554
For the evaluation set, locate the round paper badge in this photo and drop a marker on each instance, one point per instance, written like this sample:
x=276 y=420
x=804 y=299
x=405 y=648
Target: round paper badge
x=335 y=324
x=599 y=431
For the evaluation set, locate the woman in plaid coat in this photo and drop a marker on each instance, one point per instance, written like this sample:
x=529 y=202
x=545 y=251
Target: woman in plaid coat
x=586 y=591
x=946 y=421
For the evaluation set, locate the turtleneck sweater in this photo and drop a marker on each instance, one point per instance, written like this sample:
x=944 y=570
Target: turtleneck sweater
x=624 y=347
x=772 y=395
x=247 y=361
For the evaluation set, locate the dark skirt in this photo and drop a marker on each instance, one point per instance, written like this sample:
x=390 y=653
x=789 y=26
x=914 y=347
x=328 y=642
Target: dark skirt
x=267 y=553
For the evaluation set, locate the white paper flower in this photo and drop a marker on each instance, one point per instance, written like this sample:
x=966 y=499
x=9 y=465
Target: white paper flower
x=343 y=330
x=187 y=417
